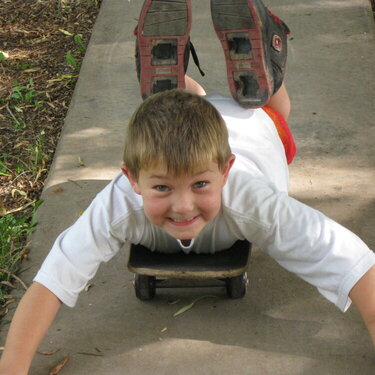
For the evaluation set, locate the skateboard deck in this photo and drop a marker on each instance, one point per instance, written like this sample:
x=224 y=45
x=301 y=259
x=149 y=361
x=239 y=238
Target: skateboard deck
x=223 y=264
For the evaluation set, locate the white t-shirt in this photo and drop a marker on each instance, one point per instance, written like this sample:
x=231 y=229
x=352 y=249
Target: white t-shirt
x=255 y=206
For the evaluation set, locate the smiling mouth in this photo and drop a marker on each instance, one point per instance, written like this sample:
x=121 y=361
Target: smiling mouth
x=183 y=222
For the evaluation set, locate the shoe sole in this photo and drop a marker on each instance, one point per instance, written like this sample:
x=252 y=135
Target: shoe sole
x=238 y=25
x=163 y=35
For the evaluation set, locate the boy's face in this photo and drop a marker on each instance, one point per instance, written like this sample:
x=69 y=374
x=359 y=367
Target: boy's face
x=182 y=205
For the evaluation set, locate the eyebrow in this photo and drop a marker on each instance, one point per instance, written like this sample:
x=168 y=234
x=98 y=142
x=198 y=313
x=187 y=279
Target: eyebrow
x=165 y=176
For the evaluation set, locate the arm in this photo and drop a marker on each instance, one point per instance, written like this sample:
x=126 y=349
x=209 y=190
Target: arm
x=30 y=323
x=363 y=296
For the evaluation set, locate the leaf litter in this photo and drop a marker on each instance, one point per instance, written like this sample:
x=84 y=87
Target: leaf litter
x=36 y=87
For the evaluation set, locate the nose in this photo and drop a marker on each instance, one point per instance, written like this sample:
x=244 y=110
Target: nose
x=183 y=202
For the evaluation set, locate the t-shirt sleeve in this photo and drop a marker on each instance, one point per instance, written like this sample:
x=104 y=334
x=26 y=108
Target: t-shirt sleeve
x=301 y=239
x=77 y=253
x=318 y=249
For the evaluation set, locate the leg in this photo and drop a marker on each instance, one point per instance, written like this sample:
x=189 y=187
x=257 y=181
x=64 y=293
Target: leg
x=278 y=108
x=255 y=48
x=280 y=102
x=162 y=45
x=193 y=86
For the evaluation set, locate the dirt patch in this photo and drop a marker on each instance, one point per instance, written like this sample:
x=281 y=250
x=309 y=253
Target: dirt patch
x=42 y=45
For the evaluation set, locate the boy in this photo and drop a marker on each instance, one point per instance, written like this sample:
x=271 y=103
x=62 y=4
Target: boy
x=185 y=187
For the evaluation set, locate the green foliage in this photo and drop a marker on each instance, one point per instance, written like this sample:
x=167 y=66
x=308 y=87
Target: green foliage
x=80 y=49
x=71 y=60
x=22 y=96
x=26 y=94
x=19 y=126
x=32 y=162
x=37 y=152
x=78 y=40
x=3 y=56
x=14 y=229
x=4 y=170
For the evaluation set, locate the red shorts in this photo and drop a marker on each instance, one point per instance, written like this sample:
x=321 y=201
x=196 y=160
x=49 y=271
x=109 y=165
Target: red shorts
x=284 y=133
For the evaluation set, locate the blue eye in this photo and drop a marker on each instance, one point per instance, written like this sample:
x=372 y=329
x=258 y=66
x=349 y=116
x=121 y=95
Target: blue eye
x=161 y=188
x=200 y=184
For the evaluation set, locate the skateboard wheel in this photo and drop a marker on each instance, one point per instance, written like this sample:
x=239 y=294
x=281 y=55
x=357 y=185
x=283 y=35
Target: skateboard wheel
x=145 y=287
x=236 y=286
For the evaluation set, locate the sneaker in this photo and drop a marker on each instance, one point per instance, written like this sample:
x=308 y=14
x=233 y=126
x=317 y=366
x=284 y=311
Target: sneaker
x=255 y=48
x=162 y=45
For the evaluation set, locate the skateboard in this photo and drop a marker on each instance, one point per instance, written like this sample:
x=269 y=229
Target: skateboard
x=154 y=269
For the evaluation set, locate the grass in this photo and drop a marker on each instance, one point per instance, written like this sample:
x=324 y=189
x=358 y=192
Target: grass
x=18 y=223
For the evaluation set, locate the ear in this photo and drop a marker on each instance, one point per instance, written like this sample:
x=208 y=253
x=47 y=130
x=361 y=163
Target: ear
x=227 y=168
x=133 y=181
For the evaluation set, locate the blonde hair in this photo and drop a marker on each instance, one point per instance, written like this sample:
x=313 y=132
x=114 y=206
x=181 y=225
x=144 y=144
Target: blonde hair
x=177 y=130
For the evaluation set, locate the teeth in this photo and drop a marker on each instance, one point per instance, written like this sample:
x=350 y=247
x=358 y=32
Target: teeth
x=182 y=221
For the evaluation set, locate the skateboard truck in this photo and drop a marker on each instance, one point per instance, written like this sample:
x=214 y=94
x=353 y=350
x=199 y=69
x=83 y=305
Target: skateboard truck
x=154 y=270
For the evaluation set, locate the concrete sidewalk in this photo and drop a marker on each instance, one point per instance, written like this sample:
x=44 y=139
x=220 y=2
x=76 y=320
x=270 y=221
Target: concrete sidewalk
x=282 y=326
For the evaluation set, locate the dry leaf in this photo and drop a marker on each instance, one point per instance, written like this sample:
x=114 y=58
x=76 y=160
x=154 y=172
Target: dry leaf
x=31 y=70
x=184 y=309
x=57 y=190
x=164 y=330
x=188 y=307
x=59 y=366
x=50 y=353
x=88 y=286
x=65 y=32
x=80 y=162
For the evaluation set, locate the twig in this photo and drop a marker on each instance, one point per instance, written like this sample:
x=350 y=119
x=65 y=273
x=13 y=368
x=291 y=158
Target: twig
x=40 y=171
x=13 y=117
x=14 y=277
x=92 y=354
x=20 y=281
x=19 y=208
